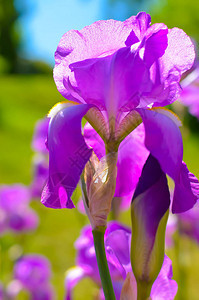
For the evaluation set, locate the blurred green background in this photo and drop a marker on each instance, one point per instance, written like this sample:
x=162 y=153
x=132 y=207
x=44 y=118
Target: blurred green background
x=27 y=92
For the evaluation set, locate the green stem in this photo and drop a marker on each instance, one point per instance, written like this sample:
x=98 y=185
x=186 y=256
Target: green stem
x=98 y=236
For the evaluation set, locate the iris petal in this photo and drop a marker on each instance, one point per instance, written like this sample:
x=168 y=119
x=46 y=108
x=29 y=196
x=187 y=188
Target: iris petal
x=68 y=154
x=163 y=139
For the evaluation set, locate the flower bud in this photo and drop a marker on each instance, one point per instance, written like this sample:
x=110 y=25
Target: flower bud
x=98 y=185
x=149 y=214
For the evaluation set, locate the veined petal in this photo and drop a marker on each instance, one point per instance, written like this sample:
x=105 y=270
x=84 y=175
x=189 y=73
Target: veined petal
x=117 y=80
x=179 y=54
x=163 y=139
x=88 y=43
x=68 y=154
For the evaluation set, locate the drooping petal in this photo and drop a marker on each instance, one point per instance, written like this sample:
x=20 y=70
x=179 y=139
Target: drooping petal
x=163 y=139
x=68 y=154
x=149 y=212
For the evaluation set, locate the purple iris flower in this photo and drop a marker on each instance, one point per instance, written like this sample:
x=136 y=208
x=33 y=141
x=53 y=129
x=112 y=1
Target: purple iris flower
x=114 y=72
x=16 y=215
x=118 y=257
x=34 y=272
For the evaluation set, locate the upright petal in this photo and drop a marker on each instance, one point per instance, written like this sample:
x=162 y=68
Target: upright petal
x=68 y=154
x=101 y=38
x=163 y=139
x=117 y=80
x=179 y=55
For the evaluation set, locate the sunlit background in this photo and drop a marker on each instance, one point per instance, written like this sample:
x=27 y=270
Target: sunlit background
x=29 y=34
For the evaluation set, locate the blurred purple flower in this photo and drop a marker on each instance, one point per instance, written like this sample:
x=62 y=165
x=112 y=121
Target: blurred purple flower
x=171 y=228
x=34 y=272
x=40 y=136
x=40 y=160
x=115 y=71
x=190 y=92
x=188 y=223
x=1 y=291
x=15 y=213
x=118 y=257
x=40 y=175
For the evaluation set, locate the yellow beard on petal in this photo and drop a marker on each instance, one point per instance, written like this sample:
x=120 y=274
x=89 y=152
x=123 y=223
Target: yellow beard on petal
x=59 y=106
x=168 y=113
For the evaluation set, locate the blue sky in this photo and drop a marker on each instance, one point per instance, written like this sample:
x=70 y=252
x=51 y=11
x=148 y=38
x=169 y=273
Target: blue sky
x=47 y=20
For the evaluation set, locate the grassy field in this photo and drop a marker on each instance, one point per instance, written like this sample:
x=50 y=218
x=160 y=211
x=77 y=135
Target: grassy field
x=24 y=100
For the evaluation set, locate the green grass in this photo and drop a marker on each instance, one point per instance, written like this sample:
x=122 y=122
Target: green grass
x=24 y=100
